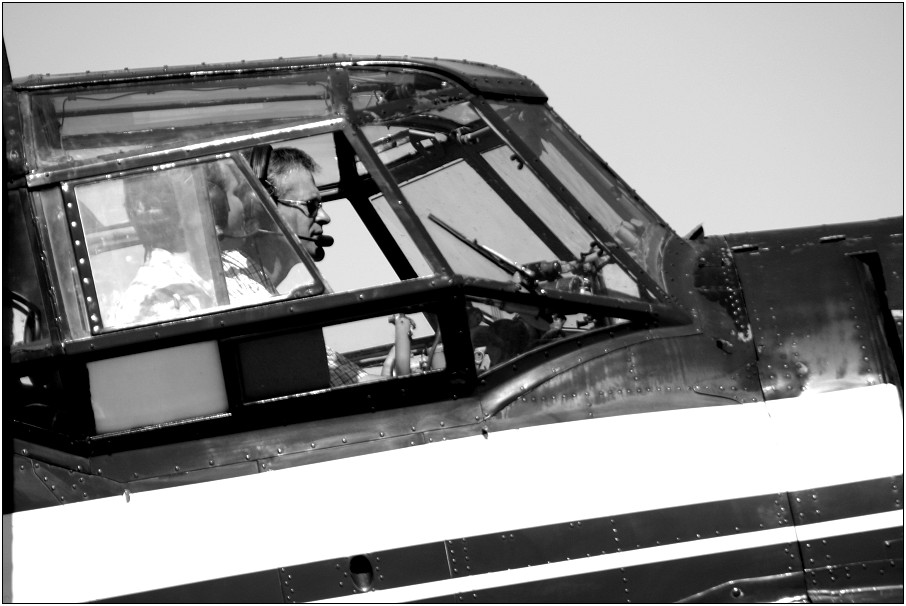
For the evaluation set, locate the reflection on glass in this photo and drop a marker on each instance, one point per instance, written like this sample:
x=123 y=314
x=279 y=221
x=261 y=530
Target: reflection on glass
x=377 y=92
x=401 y=236
x=635 y=227
x=460 y=197
x=607 y=278
x=172 y=243
x=487 y=212
x=119 y=120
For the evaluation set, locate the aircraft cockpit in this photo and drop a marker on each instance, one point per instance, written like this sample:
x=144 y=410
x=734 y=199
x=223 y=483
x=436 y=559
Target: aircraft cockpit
x=147 y=238
x=389 y=277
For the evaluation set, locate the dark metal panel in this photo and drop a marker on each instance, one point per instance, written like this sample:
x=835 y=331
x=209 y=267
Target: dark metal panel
x=37 y=484
x=855 y=567
x=365 y=572
x=891 y=253
x=518 y=548
x=316 y=581
x=847 y=500
x=47 y=454
x=759 y=574
x=264 y=360
x=45 y=477
x=599 y=375
x=410 y=566
x=721 y=305
x=813 y=325
x=334 y=436
x=751 y=575
x=879 y=551
x=254 y=588
x=182 y=478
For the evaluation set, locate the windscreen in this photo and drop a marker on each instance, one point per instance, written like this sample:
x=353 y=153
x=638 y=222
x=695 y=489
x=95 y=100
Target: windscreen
x=74 y=127
x=490 y=216
x=176 y=242
x=603 y=195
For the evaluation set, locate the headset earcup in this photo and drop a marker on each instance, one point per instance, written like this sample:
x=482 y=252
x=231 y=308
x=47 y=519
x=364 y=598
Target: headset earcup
x=259 y=159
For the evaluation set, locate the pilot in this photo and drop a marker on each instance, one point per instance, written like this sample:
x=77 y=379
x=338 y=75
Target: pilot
x=291 y=183
x=166 y=285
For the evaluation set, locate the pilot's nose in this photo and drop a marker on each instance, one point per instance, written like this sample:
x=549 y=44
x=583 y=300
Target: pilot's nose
x=322 y=217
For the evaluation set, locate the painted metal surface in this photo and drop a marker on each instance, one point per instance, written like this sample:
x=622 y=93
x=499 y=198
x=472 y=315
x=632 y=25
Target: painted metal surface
x=522 y=482
x=736 y=435
x=825 y=332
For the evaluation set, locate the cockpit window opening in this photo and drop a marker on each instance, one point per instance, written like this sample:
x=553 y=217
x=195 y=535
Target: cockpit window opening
x=368 y=343
x=394 y=212
x=408 y=341
x=176 y=241
x=81 y=125
x=361 y=253
x=600 y=194
x=393 y=93
x=577 y=249
x=467 y=186
x=358 y=187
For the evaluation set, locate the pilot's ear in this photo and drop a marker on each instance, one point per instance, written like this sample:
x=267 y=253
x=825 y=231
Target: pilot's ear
x=259 y=158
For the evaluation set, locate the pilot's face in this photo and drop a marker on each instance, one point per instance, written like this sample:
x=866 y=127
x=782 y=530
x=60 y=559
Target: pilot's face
x=294 y=190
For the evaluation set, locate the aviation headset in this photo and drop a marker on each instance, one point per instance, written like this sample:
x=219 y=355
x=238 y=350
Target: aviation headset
x=259 y=158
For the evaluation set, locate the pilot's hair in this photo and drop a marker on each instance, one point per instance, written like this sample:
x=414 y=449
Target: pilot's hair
x=151 y=207
x=284 y=160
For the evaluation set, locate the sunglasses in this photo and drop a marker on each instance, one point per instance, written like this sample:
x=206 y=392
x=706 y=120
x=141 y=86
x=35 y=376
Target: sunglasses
x=309 y=208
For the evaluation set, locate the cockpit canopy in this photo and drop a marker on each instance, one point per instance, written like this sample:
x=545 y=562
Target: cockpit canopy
x=445 y=167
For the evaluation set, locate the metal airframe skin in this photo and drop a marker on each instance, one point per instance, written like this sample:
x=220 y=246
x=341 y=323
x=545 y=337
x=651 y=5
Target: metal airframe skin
x=743 y=327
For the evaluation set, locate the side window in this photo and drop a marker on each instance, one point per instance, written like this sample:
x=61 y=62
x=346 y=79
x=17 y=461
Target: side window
x=337 y=356
x=354 y=258
x=178 y=241
x=29 y=320
x=485 y=209
x=367 y=343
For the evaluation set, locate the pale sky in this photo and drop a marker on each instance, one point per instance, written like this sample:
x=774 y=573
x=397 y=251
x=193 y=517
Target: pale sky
x=739 y=116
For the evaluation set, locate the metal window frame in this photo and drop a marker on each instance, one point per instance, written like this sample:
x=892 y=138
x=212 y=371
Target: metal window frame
x=398 y=202
x=83 y=260
x=562 y=193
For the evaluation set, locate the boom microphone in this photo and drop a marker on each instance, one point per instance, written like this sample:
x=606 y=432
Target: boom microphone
x=320 y=240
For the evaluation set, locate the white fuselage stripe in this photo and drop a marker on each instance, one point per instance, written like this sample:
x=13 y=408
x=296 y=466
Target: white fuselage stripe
x=626 y=559
x=837 y=528
x=516 y=479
